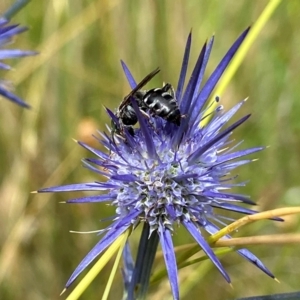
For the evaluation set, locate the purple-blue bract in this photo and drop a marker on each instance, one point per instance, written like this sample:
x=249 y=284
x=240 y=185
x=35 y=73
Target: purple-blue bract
x=7 y=32
x=166 y=175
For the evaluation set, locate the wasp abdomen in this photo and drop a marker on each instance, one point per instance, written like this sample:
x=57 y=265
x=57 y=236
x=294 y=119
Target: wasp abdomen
x=162 y=104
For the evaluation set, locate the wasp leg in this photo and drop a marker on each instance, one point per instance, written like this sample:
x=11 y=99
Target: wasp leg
x=145 y=114
x=168 y=87
x=149 y=119
x=173 y=93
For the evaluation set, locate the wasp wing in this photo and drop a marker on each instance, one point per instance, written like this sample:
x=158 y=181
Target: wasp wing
x=126 y=100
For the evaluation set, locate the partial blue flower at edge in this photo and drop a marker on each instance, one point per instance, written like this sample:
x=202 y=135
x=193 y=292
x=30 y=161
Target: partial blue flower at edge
x=7 y=32
x=167 y=175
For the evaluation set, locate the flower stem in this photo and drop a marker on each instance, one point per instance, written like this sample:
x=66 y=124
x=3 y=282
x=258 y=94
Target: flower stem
x=145 y=258
x=18 y=5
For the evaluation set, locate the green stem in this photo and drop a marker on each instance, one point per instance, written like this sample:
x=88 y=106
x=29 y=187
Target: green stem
x=144 y=262
x=18 y=5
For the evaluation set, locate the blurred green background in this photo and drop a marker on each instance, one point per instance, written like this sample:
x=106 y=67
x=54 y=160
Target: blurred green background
x=78 y=72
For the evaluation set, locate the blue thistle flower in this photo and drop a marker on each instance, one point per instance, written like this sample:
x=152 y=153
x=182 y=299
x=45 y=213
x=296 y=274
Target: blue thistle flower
x=7 y=32
x=165 y=175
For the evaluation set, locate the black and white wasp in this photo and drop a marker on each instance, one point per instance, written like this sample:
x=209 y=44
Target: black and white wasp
x=158 y=102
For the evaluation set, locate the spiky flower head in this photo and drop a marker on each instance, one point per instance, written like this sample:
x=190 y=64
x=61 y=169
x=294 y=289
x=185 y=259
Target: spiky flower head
x=163 y=174
x=7 y=32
